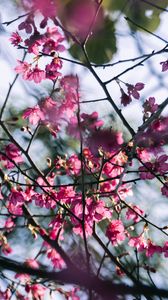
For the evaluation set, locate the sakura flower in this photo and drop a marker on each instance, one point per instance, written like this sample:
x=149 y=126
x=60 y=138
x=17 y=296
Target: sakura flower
x=56 y=228
x=70 y=294
x=32 y=263
x=66 y=194
x=69 y=83
x=73 y=165
x=95 y=211
x=154 y=137
x=6 y=295
x=54 y=34
x=133 y=90
x=109 y=186
x=6 y=249
x=51 y=45
x=13 y=155
x=164 y=190
x=23 y=68
x=37 y=291
x=13 y=152
x=9 y=224
x=34 y=114
x=150 y=105
x=16 y=197
x=57 y=261
x=165 y=249
x=15 y=38
x=144 y=171
x=33 y=43
x=40 y=199
x=133 y=214
x=52 y=69
x=106 y=139
x=143 y=154
x=115 y=232
x=152 y=248
x=36 y=74
x=91 y=121
x=164 y=65
x=138 y=242
x=125 y=98
x=15 y=209
x=159 y=166
x=24 y=278
x=49 y=108
x=28 y=24
x=111 y=169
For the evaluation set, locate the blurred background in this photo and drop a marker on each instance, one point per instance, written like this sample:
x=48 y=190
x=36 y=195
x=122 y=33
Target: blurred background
x=114 y=42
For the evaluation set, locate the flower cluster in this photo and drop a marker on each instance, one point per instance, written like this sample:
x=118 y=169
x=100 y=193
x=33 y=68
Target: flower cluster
x=132 y=92
x=49 y=44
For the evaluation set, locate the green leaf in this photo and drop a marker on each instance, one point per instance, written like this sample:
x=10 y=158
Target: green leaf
x=100 y=47
x=145 y=14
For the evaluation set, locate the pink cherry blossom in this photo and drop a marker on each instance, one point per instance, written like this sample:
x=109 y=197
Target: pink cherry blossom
x=133 y=90
x=53 y=255
x=91 y=121
x=37 y=290
x=144 y=171
x=26 y=26
x=66 y=194
x=12 y=152
x=23 y=68
x=138 y=242
x=34 y=114
x=16 y=197
x=52 y=69
x=150 y=105
x=56 y=226
x=165 y=249
x=15 y=209
x=15 y=39
x=164 y=189
x=36 y=74
x=125 y=98
x=106 y=139
x=115 y=232
x=33 y=43
x=73 y=165
x=95 y=211
x=6 y=295
x=133 y=214
x=32 y=263
x=152 y=248
x=9 y=223
x=24 y=278
x=164 y=65
x=109 y=186
x=158 y=166
x=6 y=249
